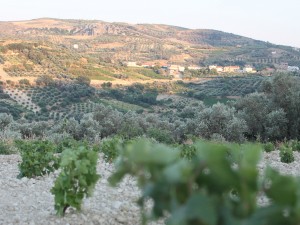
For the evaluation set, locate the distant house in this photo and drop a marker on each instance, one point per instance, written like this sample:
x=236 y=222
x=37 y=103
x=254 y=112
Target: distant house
x=293 y=68
x=132 y=64
x=248 y=69
x=173 y=69
x=231 y=69
x=176 y=71
x=147 y=65
x=220 y=69
x=181 y=68
x=194 y=67
x=211 y=67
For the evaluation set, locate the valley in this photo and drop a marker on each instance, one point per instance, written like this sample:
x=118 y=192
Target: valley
x=117 y=123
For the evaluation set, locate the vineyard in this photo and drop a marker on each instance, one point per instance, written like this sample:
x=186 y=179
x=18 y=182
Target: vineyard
x=68 y=99
x=95 y=130
x=57 y=102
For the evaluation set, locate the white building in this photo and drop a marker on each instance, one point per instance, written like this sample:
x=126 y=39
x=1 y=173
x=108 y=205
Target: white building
x=293 y=68
x=132 y=64
x=194 y=68
x=220 y=69
x=211 y=67
x=248 y=69
x=181 y=69
x=176 y=70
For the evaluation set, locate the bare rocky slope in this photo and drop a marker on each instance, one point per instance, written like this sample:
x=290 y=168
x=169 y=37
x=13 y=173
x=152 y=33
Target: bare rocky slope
x=29 y=201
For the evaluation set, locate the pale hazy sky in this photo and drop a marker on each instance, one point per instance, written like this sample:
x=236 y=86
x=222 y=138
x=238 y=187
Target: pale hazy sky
x=276 y=21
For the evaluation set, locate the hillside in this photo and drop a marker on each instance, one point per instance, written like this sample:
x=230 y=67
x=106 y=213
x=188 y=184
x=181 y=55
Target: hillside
x=118 y=42
x=67 y=49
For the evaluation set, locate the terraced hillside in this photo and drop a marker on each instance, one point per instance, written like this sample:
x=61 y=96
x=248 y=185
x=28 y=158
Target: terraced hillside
x=103 y=42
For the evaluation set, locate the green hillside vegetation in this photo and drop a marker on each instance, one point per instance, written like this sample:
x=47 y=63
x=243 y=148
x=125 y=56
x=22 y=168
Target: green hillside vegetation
x=87 y=127
x=231 y=86
x=50 y=43
x=136 y=108
x=67 y=94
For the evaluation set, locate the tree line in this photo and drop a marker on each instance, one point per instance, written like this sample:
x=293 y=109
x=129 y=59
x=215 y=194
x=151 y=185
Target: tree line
x=271 y=115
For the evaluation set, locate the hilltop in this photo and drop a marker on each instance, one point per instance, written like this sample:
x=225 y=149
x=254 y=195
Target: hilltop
x=118 y=42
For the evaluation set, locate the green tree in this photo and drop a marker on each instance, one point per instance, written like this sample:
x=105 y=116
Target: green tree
x=44 y=80
x=5 y=120
x=83 y=80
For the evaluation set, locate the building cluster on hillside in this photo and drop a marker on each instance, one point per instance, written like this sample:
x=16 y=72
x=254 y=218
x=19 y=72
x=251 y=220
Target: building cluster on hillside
x=177 y=71
x=232 y=69
x=285 y=67
x=172 y=70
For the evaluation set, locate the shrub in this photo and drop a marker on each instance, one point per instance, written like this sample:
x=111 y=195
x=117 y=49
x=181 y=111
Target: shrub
x=269 y=147
x=77 y=179
x=295 y=145
x=286 y=154
x=5 y=148
x=110 y=148
x=191 y=192
x=24 y=81
x=65 y=144
x=160 y=135
x=187 y=151
x=83 y=80
x=210 y=189
x=37 y=158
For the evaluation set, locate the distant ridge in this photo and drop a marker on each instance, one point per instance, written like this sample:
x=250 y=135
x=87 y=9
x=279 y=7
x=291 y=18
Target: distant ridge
x=148 y=42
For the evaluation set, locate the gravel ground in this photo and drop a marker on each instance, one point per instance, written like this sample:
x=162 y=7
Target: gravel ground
x=29 y=201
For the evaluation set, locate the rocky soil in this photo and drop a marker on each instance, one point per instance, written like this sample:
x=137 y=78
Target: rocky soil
x=29 y=201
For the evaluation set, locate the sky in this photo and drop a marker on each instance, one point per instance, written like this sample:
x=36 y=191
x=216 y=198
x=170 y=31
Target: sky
x=275 y=21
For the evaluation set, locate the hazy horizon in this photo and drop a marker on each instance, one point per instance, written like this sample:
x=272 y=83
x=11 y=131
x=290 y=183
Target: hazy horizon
x=267 y=21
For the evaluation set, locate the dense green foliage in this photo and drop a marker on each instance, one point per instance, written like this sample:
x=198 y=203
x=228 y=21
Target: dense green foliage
x=286 y=154
x=11 y=109
x=136 y=94
x=37 y=158
x=220 y=185
x=269 y=147
x=110 y=148
x=211 y=184
x=269 y=116
x=187 y=151
x=77 y=179
x=5 y=148
x=227 y=86
x=295 y=145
